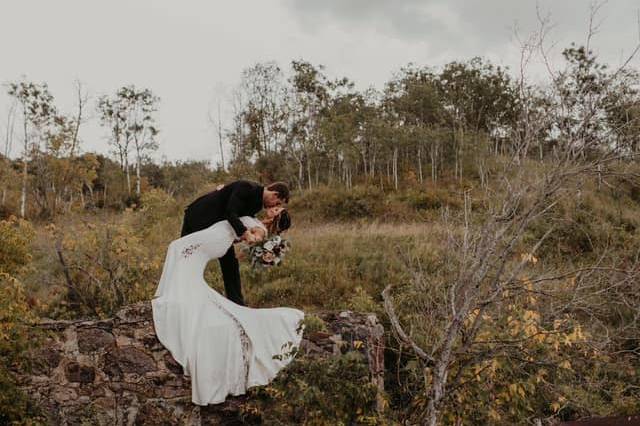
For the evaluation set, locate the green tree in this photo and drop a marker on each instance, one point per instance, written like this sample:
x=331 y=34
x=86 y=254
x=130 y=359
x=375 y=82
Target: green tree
x=478 y=97
x=38 y=112
x=128 y=115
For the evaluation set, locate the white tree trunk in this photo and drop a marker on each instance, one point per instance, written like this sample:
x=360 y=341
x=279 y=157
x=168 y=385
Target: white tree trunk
x=128 y=175
x=300 y=174
x=23 y=193
x=395 y=168
x=138 y=176
x=434 y=162
x=420 y=164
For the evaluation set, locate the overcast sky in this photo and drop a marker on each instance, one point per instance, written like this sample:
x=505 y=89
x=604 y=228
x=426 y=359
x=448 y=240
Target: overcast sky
x=189 y=52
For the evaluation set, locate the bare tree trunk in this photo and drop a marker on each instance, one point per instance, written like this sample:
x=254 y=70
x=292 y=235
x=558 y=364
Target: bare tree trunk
x=23 y=194
x=11 y=121
x=220 y=137
x=388 y=171
x=330 y=175
x=8 y=142
x=455 y=160
x=90 y=191
x=138 y=178
x=433 y=153
x=76 y=130
x=540 y=147
x=56 y=196
x=420 y=164
x=372 y=166
x=460 y=149
x=128 y=175
x=395 y=168
x=483 y=182
x=300 y=174
x=364 y=161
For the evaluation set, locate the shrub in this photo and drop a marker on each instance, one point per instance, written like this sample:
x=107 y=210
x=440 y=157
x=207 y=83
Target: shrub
x=334 y=391
x=16 y=318
x=15 y=240
x=313 y=323
x=340 y=204
x=158 y=216
x=104 y=268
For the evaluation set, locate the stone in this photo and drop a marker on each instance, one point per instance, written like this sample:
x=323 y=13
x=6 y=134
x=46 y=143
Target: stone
x=171 y=364
x=80 y=373
x=93 y=339
x=63 y=394
x=116 y=372
x=45 y=359
x=155 y=414
x=150 y=341
x=129 y=359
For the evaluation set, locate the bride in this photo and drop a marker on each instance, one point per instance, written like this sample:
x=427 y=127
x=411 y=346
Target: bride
x=226 y=348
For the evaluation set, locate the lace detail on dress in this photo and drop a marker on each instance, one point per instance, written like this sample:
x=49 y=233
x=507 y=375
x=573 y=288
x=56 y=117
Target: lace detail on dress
x=188 y=250
x=244 y=341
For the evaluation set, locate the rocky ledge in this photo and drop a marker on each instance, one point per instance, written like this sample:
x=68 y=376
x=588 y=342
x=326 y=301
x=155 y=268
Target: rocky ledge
x=116 y=372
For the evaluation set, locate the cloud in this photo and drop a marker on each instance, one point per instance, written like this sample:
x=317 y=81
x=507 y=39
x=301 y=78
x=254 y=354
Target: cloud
x=183 y=50
x=407 y=19
x=470 y=28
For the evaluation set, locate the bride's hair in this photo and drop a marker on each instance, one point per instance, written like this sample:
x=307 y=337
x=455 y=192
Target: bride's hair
x=279 y=223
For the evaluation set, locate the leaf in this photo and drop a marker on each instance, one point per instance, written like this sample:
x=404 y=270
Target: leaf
x=565 y=364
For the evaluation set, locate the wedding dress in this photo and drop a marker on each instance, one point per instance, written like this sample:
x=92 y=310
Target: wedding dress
x=224 y=347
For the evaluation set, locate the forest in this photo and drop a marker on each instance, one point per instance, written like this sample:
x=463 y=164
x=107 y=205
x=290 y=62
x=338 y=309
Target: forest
x=489 y=221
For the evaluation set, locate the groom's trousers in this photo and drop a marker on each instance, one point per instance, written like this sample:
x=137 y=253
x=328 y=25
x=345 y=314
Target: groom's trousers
x=231 y=276
x=230 y=269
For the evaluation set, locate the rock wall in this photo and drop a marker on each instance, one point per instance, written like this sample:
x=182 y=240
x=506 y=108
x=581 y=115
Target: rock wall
x=116 y=372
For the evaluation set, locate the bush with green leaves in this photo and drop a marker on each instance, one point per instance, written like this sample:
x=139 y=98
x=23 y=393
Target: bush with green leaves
x=339 y=203
x=332 y=391
x=16 y=317
x=103 y=268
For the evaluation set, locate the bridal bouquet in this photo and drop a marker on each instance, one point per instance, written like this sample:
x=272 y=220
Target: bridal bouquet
x=269 y=252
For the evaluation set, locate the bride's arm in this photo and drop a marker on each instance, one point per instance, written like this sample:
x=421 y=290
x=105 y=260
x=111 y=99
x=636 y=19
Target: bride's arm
x=252 y=222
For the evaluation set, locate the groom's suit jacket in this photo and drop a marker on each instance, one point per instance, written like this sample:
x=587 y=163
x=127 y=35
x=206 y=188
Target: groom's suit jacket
x=239 y=198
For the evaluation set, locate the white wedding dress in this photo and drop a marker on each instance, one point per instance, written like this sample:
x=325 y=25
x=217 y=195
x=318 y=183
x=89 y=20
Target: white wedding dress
x=226 y=348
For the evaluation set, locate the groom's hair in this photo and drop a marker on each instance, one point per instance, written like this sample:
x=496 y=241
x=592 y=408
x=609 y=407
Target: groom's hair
x=281 y=189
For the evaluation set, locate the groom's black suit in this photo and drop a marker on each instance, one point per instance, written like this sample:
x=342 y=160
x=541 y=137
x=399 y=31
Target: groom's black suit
x=239 y=198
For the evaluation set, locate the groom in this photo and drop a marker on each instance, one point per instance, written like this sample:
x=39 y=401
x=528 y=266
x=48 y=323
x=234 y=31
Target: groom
x=232 y=201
